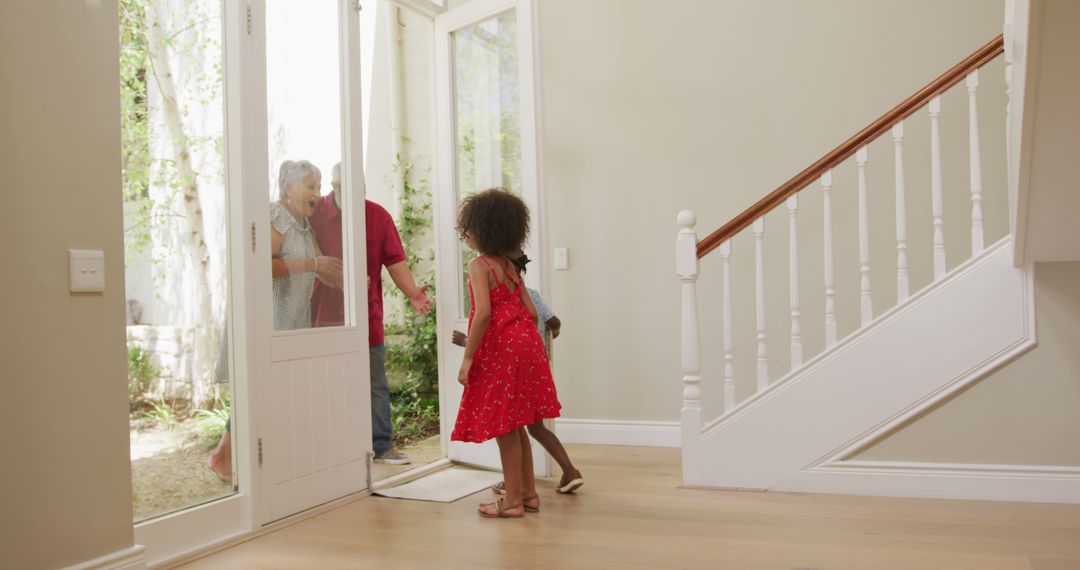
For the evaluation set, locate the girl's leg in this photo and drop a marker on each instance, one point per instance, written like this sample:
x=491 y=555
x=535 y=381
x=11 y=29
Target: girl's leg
x=221 y=458
x=510 y=453
x=551 y=443
x=529 y=498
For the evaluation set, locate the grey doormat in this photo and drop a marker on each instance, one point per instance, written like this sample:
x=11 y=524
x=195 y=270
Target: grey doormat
x=444 y=486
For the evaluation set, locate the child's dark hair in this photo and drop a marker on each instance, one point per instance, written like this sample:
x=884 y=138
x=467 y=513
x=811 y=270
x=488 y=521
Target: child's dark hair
x=497 y=220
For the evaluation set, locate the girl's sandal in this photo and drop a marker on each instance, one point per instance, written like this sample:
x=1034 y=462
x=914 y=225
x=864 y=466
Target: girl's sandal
x=535 y=507
x=499 y=488
x=500 y=511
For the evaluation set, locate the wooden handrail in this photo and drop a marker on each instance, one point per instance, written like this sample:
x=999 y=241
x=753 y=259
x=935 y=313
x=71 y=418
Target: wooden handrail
x=840 y=153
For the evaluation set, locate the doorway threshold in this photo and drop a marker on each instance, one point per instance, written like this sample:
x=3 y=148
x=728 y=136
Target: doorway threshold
x=412 y=474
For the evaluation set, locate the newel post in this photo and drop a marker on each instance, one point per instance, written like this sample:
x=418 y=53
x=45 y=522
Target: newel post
x=686 y=267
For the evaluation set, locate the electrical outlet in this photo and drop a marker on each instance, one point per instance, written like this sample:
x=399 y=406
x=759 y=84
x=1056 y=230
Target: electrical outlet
x=562 y=260
x=87 y=270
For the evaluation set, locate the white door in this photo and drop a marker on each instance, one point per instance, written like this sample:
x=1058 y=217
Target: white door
x=487 y=136
x=311 y=384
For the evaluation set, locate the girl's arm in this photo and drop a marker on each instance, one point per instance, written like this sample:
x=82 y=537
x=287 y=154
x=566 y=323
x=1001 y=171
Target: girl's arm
x=481 y=315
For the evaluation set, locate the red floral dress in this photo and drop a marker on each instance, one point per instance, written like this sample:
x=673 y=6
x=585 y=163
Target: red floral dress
x=510 y=383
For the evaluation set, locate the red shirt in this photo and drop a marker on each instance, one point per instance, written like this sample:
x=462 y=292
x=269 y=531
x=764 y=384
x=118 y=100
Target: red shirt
x=383 y=248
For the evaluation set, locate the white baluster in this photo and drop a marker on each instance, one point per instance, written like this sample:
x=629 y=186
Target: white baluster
x=866 y=304
x=901 y=216
x=729 y=357
x=759 y=254
x=935 y=188
x=686 y=267
x=830 y=291
x=976 y=166
x=793 y=282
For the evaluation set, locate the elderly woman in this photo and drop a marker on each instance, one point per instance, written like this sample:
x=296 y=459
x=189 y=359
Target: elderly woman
x=297 y=260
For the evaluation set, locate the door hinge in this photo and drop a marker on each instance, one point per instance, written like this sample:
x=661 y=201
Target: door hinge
x=249 y=19
x=367 y=461
x=357 y=6
x=260 y=452
x=252 y=237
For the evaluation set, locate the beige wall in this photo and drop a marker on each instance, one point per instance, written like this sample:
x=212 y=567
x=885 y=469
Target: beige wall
x=66 y=483
x=1024 y=414
x=709 y=105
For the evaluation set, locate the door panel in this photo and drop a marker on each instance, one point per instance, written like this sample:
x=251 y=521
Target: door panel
x=486 y=137
x=315 y=427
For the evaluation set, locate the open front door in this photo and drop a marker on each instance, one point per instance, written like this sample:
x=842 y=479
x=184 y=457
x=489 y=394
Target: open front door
x=313 y=427
x=487 y=136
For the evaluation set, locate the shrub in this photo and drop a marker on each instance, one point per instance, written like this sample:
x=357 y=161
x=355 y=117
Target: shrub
x=141 y=373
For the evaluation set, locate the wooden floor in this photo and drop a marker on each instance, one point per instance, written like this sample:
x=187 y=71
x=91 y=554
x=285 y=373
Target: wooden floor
x=631 y=514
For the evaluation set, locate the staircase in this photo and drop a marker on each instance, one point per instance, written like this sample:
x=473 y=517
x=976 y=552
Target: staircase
x=801 y=431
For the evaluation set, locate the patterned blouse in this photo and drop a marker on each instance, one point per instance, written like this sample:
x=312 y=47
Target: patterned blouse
x=292 y=294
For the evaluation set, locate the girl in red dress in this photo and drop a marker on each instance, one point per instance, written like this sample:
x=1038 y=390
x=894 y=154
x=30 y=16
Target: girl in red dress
x=505 y=371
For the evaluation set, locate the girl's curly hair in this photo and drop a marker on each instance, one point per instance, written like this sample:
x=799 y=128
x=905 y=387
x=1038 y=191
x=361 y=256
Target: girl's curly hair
x=497 y=220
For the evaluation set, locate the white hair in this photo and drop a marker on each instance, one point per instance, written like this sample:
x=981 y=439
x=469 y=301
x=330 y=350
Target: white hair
x=335 y=175
x=294 y=170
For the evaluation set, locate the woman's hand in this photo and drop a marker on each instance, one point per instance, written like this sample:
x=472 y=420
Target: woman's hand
x=463 y=374
x=459 y=339
x=330 y=271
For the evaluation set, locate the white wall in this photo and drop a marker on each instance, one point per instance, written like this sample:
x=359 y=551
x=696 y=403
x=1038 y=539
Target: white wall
x=1052 y=131
x=66 y=483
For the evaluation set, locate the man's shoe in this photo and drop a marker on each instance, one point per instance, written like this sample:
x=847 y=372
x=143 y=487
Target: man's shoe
x=393 y=457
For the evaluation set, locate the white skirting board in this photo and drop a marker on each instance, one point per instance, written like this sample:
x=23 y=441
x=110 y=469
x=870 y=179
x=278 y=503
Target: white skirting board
x=133 y=558
x=616 y=432
x=1027 y=483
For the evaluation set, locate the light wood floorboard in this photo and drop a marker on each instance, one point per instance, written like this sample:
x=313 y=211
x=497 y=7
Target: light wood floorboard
x=631 y=514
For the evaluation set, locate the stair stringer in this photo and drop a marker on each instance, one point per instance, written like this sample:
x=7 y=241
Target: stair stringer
x=794 y=435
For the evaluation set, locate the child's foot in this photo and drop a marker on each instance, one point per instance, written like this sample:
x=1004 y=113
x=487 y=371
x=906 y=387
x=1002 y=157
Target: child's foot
x=531 y=504
x=499 y=488
x=498 y=510
x=571 y=481
x=221 y=468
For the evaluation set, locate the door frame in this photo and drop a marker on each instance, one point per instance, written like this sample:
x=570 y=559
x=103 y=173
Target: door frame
x=445 y=175
x=177 y=534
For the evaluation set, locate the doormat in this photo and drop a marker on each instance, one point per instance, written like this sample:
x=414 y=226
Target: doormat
x=444 y=486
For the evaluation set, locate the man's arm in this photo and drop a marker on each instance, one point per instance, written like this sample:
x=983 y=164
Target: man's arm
x=403 y=278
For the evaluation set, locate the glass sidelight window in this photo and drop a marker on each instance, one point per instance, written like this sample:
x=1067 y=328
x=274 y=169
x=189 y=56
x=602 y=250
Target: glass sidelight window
x=177 y=268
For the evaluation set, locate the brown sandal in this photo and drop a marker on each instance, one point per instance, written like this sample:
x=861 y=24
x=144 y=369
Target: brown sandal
x=525 y=503
x=500 y=511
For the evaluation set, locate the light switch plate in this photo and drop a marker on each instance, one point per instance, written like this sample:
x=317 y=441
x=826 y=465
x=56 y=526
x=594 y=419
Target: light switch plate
x=562 y=260
x=87 y=270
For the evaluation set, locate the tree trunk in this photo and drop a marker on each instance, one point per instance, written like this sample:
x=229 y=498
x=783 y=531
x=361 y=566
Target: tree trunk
x=198 y=309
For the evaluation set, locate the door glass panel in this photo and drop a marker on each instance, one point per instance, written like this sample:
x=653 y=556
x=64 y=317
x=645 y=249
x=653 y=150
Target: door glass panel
x=303 y=76
x=486 y=115
x=177 y=266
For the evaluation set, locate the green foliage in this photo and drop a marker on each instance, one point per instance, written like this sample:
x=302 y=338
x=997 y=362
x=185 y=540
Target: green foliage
x=416 y=357
x=141 y=373
x=211 y=422
x=415 y=414
x=414 y=409
x=135 y=123
x=163 y=413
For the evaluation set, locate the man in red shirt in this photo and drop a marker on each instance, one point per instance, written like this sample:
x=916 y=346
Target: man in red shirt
x=328 y=304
